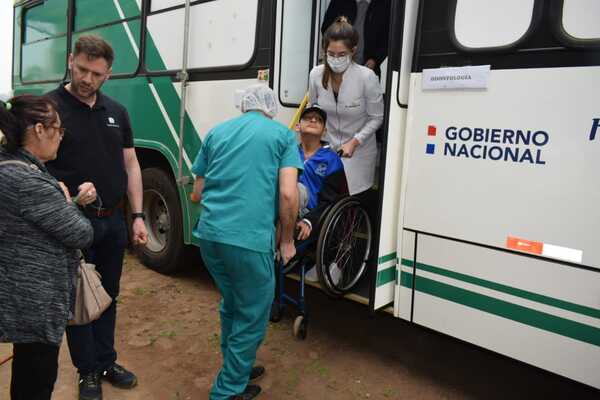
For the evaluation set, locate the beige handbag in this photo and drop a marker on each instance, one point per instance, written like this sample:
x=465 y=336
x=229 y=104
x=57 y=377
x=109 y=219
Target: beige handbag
x=91 y=300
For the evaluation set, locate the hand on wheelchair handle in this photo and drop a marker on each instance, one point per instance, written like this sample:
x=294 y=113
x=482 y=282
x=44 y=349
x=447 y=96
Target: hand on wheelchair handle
x=302 y=230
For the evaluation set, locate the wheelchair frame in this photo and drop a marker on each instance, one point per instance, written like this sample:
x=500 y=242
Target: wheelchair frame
x=329 y=224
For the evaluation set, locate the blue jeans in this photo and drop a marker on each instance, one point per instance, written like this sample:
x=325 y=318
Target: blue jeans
x=92 y=345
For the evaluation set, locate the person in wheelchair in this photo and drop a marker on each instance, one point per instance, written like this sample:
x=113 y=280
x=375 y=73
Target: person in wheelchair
x=323 y=181
x=333 y=231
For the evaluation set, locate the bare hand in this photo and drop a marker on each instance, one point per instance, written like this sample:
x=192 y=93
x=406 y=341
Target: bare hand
x=87 y=194
x=65 y=191
x=195 y=197
x=287 y=251
x=348 y=148
x=140 y=235
x=304 y=230
x=370 y=63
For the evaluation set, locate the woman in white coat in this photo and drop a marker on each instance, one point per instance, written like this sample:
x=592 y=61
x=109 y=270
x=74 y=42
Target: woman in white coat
x=352 y=97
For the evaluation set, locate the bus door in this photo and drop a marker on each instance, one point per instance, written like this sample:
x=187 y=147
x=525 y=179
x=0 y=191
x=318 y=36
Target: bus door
x=297 y=50
x=384 y=283
x=500 y=213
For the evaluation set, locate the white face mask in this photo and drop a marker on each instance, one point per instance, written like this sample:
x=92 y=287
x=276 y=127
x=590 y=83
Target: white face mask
x=339 y=64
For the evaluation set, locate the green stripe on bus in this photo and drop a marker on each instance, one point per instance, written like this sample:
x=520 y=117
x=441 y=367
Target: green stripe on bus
x=386 y=258
x=386 y=276
x=406 y=279
x=524 y=315
x=538 y=298
x=406 y=262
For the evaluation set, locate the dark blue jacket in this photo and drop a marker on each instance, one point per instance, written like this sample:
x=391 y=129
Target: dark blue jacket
x=324 y=179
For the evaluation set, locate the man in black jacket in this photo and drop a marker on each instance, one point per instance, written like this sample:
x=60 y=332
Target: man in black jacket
x=372 y=19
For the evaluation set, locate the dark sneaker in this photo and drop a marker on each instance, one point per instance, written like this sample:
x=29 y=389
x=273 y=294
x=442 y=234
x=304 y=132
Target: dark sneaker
x=119 y=377
x=257 y=372
x=250 y=393
x=89 y=387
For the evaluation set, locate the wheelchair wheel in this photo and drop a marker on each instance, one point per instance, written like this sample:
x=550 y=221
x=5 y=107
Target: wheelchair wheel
x=343 y=246
x=300 y=328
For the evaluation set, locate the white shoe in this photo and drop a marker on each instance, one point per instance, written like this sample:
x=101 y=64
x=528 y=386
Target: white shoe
x=311 y=275
x=335 y=273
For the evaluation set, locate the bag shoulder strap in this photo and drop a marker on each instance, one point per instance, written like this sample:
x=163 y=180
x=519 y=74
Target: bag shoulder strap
x=17 y=162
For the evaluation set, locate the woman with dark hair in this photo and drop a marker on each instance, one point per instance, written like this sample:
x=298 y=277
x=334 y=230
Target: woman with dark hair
x=353 y=99
x=371 y=18
x=40 y=231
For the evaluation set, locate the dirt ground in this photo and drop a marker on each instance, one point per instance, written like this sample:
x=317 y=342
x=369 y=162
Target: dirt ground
x=168 y=334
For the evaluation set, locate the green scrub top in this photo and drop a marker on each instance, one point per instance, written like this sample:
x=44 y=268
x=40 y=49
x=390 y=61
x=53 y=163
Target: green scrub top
x=240 y=161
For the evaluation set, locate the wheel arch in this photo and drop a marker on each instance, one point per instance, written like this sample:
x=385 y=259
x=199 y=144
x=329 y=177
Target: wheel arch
x=156 y=155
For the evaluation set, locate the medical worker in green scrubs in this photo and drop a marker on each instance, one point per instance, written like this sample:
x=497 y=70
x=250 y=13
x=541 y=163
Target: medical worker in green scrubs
x=246 y=170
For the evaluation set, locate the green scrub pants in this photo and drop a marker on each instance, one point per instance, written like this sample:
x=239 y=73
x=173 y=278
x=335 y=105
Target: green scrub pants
x=246 y=280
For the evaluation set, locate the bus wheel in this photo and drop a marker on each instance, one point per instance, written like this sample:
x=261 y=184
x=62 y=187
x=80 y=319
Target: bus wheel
x=165 y=246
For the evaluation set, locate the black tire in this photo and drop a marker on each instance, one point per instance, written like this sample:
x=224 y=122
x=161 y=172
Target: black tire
x=333 y=227
x=165 y=248
x=276 y=312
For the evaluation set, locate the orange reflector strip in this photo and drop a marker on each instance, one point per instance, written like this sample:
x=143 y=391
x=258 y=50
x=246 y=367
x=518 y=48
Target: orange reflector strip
x=528 y=246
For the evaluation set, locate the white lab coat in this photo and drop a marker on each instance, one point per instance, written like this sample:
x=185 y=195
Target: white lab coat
x=358 y=113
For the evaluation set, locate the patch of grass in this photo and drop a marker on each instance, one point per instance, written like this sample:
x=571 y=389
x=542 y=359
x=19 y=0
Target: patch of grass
x=279 y=326
x=388 y=393
x=168 y=334
x=140 y=291
x=316 y=367
x=292 y=381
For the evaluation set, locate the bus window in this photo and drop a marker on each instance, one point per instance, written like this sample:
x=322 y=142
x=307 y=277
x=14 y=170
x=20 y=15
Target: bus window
x=580 y=20
x=44 y=41
x=116 y=21
x=295 y=50
x=537 y=41
x=87 y=14
x=222 y=34
x=489 y=24
x=45 y=20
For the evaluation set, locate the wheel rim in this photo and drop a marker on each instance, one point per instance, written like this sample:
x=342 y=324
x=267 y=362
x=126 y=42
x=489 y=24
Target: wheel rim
x=346 y=248
x=158 y=220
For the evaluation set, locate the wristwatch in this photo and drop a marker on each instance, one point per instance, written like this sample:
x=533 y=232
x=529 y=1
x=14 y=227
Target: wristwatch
x=138 y=215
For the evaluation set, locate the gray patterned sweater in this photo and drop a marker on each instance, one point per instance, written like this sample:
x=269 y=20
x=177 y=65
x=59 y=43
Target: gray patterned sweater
x=39 y=232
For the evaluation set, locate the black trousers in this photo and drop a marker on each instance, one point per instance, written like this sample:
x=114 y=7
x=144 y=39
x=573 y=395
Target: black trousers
x=34 y=370
x=92 y=346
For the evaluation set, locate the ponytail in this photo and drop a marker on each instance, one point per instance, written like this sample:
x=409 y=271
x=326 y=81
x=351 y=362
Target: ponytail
x=21 y=112
x=341 y=29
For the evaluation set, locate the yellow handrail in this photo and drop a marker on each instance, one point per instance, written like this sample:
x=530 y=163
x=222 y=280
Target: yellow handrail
x=296 y=118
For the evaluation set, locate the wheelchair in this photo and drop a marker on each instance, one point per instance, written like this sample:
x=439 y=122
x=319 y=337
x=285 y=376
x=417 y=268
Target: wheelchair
x=339 y=253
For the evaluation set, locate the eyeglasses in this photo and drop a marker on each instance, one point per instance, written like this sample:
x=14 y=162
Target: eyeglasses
x=60 y=129
x=310 y=118
x=337 y=55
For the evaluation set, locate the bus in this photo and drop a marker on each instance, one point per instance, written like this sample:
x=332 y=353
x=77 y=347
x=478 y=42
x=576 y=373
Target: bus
x=487 y=220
